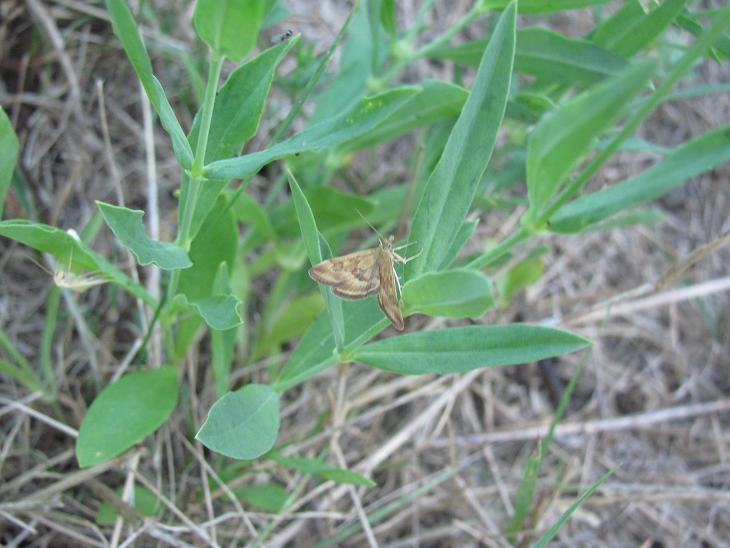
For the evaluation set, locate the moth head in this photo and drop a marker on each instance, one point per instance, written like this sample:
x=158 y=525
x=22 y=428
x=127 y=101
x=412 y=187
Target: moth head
x=387 y=243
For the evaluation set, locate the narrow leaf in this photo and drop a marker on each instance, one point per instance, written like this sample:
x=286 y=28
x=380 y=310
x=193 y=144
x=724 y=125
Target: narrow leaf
x=692 y=158
x=437 y=100
x=125 y=413
x=566 y=134
x=318 y=467
x=8 y=156
x=144 y=501
x=459 y=349
x=541 y=6
x=369 y=113
x=452 y=185
x=239 y=104
x=267 y=497
x=311 y=238
x=387 y=18
x=127 y=226
x=126 y=30
x=242 y=424
x=354 y=68
x=565 y=516
x=547 y=54
x=630 y=29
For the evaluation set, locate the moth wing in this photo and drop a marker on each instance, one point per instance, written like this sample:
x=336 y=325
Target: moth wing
x=76 y=282
x=353 y=276
x=388 y=295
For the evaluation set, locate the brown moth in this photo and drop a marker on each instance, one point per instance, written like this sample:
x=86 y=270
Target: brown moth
x=364 y=273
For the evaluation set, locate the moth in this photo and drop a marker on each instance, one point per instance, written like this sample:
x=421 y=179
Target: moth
x=364 y=273
x=64 y=278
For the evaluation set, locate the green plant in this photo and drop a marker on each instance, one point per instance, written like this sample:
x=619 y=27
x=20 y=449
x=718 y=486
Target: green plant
x=587 y=97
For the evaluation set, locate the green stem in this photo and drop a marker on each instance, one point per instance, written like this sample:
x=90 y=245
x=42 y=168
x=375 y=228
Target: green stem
x=184 y=238
x=437 y=42
x=196 y=170
x=680 y=69
x=500 y=249
x=49 y=328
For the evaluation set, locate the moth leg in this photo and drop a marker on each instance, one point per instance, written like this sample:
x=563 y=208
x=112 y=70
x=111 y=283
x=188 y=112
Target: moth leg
x=403 y=260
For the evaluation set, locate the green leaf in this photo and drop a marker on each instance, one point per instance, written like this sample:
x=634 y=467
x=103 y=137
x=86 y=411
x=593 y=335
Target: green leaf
x=144 y=501
x=458 y=293
x=229 y=27
x=437 y=100
x=8 y=156
x=314 y=352
x=23 y=375
x=517 y=278
x=242 y=424
x=523 y=504
x=236 y=118
x=125 y=413
x=692 y=158
x=630 y=29
x=566 y=134
x=465 y=232
x=127 y=226
x=721 y=50
x=459 y=349
x=249 y=211
x=453 y=183
x=387 y=18
x=553 y=57
x=240 y=102
x=268 y=497
x=550 y=533
x=219 y=311
x=311 y=238
x=541 y=6
x=318 y=467
x=646 y=217
x=291 y=321
x=547 y=54
x=369 y=113
x=214 y=246
x=354 y=70
x=126 y=30
x=335 y=211
x=73 y=254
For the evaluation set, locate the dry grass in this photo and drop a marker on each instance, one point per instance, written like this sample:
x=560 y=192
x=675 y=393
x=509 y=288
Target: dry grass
x=653 y=401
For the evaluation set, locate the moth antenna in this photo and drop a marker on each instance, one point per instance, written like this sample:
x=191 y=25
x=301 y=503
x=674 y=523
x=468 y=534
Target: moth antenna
x=39 y=265
x=371 y=226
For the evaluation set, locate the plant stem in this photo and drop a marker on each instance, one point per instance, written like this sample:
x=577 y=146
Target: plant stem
x=196 y=170
x=500 y=249
x=437 y=42
x=184 y=238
